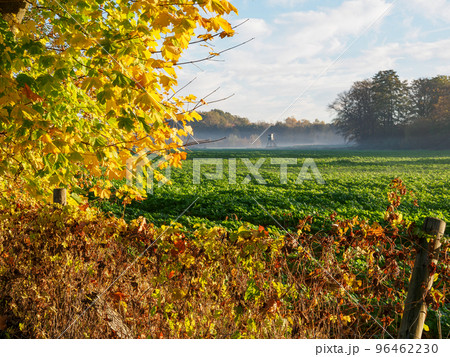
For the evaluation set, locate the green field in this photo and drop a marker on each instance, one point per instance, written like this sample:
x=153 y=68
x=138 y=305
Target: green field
x=356 y=184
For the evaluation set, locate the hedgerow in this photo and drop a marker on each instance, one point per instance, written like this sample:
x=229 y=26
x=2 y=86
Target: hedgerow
x=78 y=273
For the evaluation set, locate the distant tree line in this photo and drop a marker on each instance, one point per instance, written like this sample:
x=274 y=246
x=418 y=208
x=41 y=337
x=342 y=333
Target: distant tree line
x=241 y=132
x=385 y=111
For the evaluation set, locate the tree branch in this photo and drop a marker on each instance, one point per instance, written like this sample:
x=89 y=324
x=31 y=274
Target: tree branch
x=214 y=55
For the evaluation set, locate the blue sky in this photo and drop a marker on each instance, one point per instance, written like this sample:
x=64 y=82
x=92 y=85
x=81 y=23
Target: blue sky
x=305 y=52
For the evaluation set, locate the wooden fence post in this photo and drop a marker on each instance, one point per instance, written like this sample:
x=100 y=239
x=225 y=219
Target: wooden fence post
x=421 y=281
x=60 y=196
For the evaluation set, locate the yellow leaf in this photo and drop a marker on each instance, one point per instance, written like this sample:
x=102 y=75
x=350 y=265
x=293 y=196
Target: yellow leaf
x=196 y=116
x=147 y=101
x=219 y=22
x=170 y=71
x=145 y=79
x=110 y=105
x=81 y=40
x=115 y=175
x=167 y=82
x=46 y=139
x=346 y=319
x=171 y=52
x=123 y=305
x=426 y=328
x=228 y=7
x=51 y=149
x=91 y=82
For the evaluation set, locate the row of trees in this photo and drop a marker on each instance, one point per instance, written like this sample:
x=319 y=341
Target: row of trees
x=387 y=111
x=241 y=132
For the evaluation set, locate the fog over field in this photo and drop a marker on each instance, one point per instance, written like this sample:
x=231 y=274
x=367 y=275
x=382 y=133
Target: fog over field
x=241 y=133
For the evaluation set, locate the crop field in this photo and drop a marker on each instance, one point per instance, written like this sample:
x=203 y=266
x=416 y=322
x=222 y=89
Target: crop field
x=355 y=184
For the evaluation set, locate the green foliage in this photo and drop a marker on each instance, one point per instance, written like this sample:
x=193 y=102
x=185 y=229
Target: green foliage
x=355 y=183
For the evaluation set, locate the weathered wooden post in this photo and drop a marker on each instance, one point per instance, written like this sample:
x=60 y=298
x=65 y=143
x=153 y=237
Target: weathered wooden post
x=421 y=281
x=9 y=8
x=60 y=196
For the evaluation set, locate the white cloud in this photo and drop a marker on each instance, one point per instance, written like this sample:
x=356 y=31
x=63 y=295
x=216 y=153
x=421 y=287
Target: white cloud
x=254 y=27
x=327 y=30
x=436 y=10
x=427 y=51
x=290 y=53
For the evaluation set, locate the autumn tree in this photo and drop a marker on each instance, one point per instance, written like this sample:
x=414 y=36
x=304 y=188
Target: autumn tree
x=430 y=123
x=391 y=100
x=86 y=84
x=386 y=111
x=424 y=95
x=355 y=112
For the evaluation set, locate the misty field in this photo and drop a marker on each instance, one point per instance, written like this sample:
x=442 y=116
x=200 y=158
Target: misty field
x=356 y=184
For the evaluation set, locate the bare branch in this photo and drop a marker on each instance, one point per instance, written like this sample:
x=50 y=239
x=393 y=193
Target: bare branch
x=200 y=142
x=179 y=90
x=214 y=55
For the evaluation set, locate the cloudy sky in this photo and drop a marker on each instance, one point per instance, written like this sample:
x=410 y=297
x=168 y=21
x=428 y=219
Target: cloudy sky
x=305 y=52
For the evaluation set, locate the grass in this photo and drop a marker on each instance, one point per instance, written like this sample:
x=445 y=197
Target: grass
x=356 y=184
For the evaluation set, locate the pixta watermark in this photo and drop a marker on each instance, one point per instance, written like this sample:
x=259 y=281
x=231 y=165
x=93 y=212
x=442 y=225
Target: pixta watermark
x=142 y=166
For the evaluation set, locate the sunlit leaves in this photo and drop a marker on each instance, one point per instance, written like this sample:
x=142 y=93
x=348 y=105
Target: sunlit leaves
x=103 y=69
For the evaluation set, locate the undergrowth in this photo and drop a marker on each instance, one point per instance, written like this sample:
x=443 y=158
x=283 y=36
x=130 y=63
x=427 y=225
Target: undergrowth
x=78 y=273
